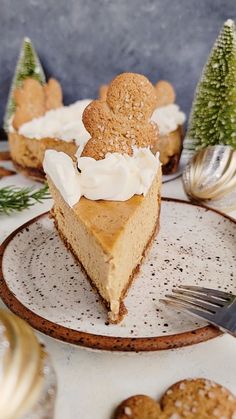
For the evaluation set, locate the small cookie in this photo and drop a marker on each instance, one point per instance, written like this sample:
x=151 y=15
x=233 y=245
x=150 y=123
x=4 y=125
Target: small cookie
x=138 y=407
x=192 y=399
x=123 y=120
x=165 y=93
x=53 y=95
x=30 y=102
x=103 y=91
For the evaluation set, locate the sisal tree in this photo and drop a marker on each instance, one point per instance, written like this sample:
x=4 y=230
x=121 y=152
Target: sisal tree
x=28 y=65
x=213 y=115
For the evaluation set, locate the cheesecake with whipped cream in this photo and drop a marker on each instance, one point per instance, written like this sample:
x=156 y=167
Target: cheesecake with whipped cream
x=39 y=125
x=107 y=201
x=170 y=120
x=61 y=129
x=107 y=213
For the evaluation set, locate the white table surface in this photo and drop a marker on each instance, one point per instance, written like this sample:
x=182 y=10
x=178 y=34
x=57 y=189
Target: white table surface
x=92 y=383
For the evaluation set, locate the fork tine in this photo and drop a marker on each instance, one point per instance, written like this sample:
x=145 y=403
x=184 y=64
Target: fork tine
x=201 y=314
x=180 y=306
x=199 y=296
x=192 y=303
x=207 y=291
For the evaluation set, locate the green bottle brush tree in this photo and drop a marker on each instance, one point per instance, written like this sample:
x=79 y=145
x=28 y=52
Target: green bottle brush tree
x=213 y=115
x=28 y=65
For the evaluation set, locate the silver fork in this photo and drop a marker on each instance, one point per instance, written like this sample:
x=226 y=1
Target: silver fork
x=214 y=306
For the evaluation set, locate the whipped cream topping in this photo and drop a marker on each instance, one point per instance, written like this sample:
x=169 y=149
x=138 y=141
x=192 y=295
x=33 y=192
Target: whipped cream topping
x=168 y=118
x=117 y=177
x=64 y=123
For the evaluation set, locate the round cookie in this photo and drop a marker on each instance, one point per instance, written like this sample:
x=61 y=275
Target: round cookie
x=123 y=119
x=138 y=407
x=199 y=398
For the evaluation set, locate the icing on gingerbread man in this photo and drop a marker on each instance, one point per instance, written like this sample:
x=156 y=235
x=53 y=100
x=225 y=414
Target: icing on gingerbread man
x=123 y=119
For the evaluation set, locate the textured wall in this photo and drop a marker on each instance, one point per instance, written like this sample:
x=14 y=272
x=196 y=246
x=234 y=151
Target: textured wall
x=84 y=43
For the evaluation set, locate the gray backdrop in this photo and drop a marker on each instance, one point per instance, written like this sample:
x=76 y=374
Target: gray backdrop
x=84 y=43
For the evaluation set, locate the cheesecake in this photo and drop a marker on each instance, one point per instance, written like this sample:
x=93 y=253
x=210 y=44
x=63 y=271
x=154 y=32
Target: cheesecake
x=107 y=209
x=41 y=122
x=170 y=120
x=28 y=153
x=108 y=238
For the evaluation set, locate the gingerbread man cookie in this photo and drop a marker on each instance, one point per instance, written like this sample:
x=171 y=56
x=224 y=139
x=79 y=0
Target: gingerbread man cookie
x=123 y=119
x=34 y=99
x=53 y=94
x=165 y=93
x=191 y=399
x=103 y=91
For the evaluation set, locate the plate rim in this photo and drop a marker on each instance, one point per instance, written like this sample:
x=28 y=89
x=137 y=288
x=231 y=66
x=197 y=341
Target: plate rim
x=103 y=342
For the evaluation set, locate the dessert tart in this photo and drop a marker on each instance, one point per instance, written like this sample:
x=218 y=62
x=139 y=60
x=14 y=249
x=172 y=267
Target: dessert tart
x=107 y=203
x=170 y=120
x=41 y=122
x=27 y=380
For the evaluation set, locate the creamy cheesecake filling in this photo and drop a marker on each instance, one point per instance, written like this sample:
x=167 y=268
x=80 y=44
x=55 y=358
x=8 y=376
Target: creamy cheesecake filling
x=64 y=123
x=29 y=153
x=168 y=118
x=130 y=252
x=117 y=177
x=111 y=251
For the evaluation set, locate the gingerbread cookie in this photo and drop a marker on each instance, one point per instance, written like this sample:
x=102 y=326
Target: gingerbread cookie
x=165 y=93
x=123 y=119
x=191 y=399
x=30 y=103
x=103 y=91
x=34 y=99
x=53 y=95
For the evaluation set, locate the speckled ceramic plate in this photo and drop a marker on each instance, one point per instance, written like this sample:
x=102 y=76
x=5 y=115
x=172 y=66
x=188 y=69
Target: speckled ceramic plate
x=42 y=283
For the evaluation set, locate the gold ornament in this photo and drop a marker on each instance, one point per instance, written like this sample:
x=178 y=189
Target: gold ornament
x=210 y=177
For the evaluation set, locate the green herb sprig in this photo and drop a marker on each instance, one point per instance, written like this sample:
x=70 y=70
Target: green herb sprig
x=17 y=199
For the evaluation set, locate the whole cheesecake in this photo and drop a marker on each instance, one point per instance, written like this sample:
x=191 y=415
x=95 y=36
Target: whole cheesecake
x=41 y=122
x=170 y=147
x=107 y=203
x=28 y=153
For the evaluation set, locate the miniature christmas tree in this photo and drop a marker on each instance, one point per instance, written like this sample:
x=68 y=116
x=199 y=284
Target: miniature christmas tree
x=28 y=65
x=213 y=116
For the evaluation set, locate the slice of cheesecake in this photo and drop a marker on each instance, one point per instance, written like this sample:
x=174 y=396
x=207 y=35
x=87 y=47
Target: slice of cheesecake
x=109 y=239
x=107 y=204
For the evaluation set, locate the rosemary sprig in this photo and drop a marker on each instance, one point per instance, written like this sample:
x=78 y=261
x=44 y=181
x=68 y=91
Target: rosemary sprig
x=17 y=199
